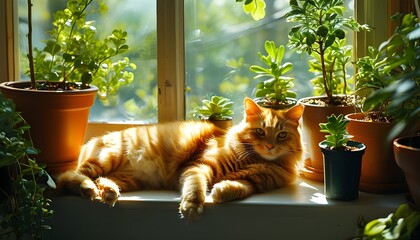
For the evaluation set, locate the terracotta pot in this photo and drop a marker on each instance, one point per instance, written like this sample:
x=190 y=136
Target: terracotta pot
x=342 y=171
x=223 y=124
x=311 y=135
x=380 y=173
x=262 y=102
x=58 y=121
x=407 y=156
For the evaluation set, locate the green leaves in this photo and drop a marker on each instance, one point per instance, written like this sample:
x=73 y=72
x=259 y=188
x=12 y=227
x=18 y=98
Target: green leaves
x=254 y=7
x=275 y=86
x=398 y=225
x=23 y=207
x=75 y=53
x=336 y=128
x=52 y=47
x=319 y=27
x=13 y=146
x=336 y=60
x=217 y=108
x=110 y=77
x=388 y=79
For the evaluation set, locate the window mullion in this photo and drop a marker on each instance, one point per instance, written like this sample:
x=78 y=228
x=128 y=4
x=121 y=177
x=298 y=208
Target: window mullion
x=171 y=66
x=8 y=37
x=377 y=14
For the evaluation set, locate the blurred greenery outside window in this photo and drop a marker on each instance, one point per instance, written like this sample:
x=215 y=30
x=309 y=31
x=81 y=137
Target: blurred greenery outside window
x=221 y=42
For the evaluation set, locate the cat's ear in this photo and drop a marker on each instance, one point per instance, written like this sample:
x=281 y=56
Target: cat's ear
x=251 y=108
x=295 y=112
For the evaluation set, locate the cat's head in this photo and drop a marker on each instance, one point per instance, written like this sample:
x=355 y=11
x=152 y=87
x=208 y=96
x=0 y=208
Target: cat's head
x=272 y=134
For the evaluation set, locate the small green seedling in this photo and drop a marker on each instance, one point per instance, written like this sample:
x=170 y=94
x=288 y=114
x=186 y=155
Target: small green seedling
x=336 y=128
x=275 y=86
x=217 y=108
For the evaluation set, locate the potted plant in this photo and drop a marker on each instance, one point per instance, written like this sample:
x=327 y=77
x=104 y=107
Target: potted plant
x=24 y=207
x=218 y=110
x=275 y=91
x=388 y=84
x=407 y=157
x=319 y=32
x=57 y=108
x=342 y=160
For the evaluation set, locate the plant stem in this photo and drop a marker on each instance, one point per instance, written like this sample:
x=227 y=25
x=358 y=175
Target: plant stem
x=345 y=79
x=30 y=54
x=324 y=72
x=74 y=19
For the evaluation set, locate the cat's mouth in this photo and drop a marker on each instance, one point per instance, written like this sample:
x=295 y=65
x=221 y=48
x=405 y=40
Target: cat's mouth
x=267 y=153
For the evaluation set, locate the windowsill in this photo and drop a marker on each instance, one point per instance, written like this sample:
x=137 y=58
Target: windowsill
x=299 y=211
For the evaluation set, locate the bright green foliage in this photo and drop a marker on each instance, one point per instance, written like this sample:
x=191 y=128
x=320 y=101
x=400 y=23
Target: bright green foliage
x=336 y=128
x=74 y=52
x=389 y=78
x=254 y=7
x=217 y=108
x=23 y=207
x=277 y=86
x=337 y=58
x=319 y=27
x=398 y=225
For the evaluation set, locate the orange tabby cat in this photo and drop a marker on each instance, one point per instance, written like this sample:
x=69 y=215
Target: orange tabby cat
x=257 y=155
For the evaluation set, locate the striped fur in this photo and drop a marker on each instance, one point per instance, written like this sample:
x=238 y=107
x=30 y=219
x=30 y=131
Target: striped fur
x=259 y=154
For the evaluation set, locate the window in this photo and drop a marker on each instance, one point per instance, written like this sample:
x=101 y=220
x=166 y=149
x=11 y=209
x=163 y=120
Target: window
x=136 y=101
x=221 y=41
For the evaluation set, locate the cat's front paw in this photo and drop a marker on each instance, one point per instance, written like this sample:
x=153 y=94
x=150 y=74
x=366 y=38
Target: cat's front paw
x=229 y=190
x=190 y=210
x=89 y=190
x=108 y=191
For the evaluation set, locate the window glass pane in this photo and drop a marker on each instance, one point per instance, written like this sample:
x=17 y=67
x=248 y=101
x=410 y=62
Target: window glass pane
x=222 y=42
x=136 y=101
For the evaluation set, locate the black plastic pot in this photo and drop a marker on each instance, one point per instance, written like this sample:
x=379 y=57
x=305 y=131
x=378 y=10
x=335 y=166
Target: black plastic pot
x=342 y=171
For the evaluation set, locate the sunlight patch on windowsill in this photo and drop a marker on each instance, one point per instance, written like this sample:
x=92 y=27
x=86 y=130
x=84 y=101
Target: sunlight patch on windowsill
x=303 y=192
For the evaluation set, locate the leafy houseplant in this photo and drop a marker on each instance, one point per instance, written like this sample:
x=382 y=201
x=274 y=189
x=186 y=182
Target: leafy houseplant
x=389 y=85
x=336 y=59
x=217 y=110
x=23 y=208
x=74 y=53
x=342 y=160
x=389 y=79
x=338 y=137
x=319 y=33
x=57 y=107
x=276 y=90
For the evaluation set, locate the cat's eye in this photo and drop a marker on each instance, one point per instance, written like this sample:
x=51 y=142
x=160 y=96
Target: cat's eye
x=281 y=135
x=260 y=131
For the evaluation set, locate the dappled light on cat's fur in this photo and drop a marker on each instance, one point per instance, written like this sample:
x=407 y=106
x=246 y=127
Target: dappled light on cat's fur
x=257 y=155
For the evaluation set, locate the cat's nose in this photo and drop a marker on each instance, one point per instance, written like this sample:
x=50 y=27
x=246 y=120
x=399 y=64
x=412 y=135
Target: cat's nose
x=269 y=146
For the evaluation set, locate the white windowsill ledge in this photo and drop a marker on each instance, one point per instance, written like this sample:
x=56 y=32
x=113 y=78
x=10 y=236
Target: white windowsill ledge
x=299 y=211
